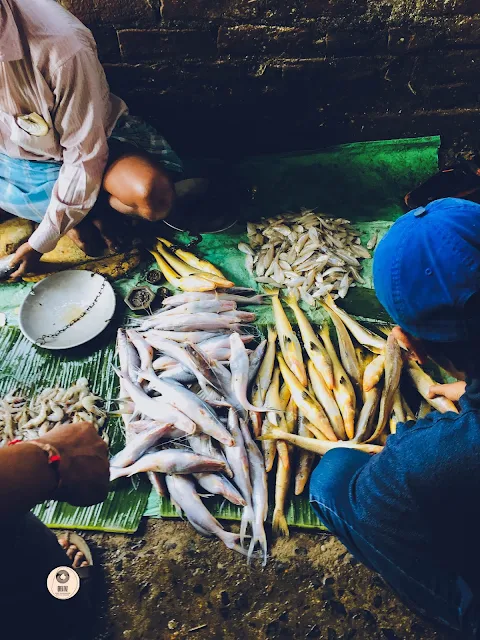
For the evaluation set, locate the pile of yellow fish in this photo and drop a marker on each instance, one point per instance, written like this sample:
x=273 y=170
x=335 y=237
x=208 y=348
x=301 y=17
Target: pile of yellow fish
x=185 y=271
x=347 y=399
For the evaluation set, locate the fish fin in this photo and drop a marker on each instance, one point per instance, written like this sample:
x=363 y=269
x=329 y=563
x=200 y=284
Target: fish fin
x=279 y=524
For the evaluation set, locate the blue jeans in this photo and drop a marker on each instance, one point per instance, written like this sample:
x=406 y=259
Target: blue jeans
x=427 y=589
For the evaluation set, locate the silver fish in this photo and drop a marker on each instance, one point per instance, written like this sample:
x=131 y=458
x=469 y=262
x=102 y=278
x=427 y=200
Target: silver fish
x=203 y=445
x=5 y=268
x=169 y=461
x=183 y=493
x=140 y=443
x=196 y=322
x=239 y=367
x=156 y=408
x=237 y=458
x=255 y=360
x=258 y=477
x=191 y=405
x=180 y=336
x=220 y=486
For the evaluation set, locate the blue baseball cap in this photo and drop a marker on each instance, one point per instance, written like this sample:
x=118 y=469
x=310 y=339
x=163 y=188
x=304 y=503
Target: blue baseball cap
x=427 y=267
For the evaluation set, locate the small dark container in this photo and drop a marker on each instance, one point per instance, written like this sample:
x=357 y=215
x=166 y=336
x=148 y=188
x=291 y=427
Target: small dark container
x=139 y=298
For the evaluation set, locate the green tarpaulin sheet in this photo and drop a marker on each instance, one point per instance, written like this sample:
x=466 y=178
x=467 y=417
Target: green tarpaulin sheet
x=364 y=182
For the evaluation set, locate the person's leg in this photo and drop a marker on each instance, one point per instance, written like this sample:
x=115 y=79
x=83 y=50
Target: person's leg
x=428 y=589
x=31 y=552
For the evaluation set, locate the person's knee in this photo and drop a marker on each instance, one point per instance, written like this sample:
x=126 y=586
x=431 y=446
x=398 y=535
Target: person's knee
x=154 y=196
x=330 y=480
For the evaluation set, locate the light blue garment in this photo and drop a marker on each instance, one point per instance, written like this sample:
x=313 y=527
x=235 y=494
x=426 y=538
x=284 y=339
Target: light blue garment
x=26 y=185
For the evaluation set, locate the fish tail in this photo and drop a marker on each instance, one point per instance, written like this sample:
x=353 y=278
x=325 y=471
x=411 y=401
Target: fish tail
x=247 y=517
x=279 y=524
x=231 y=541
x=271 y=291
x=261 y=538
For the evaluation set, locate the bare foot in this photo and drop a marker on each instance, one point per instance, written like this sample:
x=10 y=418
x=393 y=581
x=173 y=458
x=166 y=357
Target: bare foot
x=77 y=557
x=87 y=238
x=114 y=228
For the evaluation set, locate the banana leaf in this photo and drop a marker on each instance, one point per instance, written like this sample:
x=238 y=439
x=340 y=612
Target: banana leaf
x=364 y=182
x=30 y=369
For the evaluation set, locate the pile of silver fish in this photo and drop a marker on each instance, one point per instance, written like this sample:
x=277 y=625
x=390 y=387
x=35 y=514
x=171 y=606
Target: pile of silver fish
x=195 y=395
x=308 y=253
x=350 y=398
x=184 y=376
x=27 y=418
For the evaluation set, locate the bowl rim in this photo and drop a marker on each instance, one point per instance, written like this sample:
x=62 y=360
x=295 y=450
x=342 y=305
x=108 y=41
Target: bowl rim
x=82 y=341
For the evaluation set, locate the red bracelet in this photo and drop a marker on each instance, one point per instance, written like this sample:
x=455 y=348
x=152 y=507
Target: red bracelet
x=52 y=453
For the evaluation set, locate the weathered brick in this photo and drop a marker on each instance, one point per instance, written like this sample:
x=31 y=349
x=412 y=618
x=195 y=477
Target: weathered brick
x=251 y=39
x=318 y=8
x=346 y=43
x=140 y=44
x=222 y=77
x=107 y=43
x=114 y=11
x=307 y=72
x=210 y=9
x=403 y=39
x=447 y=68
x=451 y=96
x=462 y=31
x=441 y=7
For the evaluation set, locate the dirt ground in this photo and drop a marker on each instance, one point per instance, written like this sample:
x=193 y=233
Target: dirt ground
x=167 y=582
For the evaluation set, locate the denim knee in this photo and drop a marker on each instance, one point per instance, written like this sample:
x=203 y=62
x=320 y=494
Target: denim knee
x=331 y=478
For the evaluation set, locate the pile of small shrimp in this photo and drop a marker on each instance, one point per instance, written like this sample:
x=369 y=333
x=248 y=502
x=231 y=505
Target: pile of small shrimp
x=27 y=418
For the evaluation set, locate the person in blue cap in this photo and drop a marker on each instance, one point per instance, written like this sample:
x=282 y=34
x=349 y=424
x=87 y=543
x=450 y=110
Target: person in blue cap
x=411 y=513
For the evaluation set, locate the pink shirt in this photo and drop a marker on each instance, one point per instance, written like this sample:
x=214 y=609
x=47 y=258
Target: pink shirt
x=49 y=65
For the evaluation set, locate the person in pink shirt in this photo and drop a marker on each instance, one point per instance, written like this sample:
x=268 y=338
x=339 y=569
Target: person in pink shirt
x=68 y=147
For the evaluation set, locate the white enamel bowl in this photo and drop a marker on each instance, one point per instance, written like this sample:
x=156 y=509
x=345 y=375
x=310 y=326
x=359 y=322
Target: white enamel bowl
x=61 y=299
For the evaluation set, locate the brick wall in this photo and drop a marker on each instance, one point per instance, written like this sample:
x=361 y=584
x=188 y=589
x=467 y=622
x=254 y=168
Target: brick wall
x=266 y=75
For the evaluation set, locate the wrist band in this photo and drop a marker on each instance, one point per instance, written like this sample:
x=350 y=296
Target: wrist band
x=52 y=455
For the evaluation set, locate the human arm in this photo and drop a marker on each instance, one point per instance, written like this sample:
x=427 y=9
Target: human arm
x=80 y=116
x=26 y=478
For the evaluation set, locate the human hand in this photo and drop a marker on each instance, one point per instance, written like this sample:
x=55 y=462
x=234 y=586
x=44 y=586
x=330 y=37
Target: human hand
x=25 y=259
x=413 y=346
x=84 y=467
x=452 y=391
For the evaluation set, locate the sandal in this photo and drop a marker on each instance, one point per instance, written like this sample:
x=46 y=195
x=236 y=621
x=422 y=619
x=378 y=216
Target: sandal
x=72 y=538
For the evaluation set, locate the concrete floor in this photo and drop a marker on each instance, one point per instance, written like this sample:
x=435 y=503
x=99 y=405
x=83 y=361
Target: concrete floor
x=167 y=582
